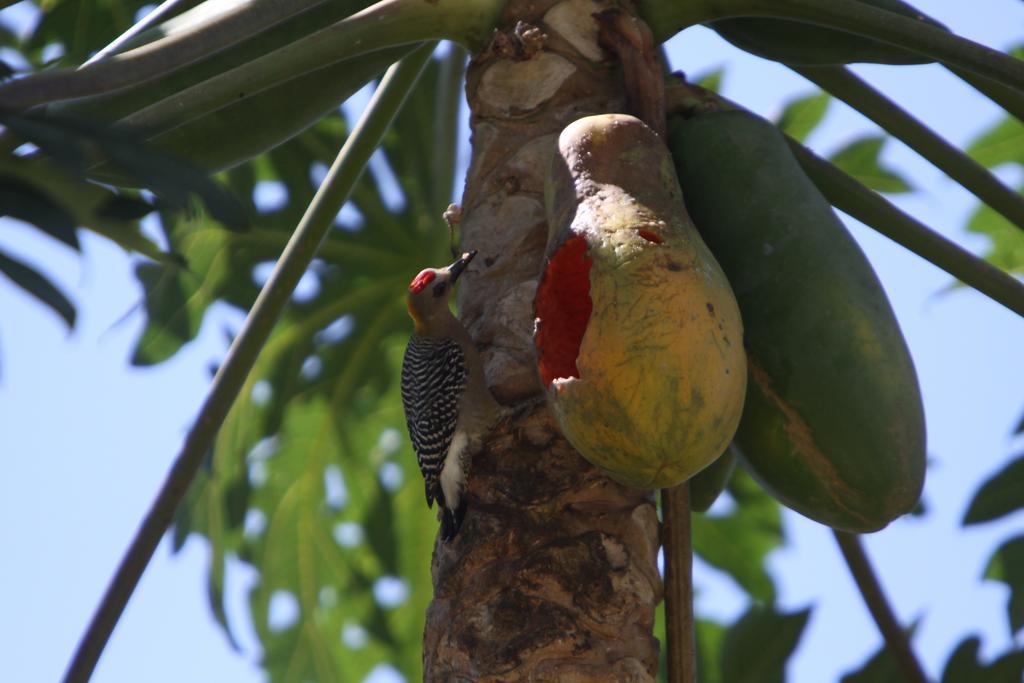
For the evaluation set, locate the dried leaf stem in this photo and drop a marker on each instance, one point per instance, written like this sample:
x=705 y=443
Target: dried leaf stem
x=679 y=625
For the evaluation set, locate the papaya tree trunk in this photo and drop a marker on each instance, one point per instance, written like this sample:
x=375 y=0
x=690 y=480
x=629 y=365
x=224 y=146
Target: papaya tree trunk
x=553 y=576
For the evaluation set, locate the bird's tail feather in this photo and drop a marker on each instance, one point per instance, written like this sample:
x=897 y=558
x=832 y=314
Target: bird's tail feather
x=451 y=520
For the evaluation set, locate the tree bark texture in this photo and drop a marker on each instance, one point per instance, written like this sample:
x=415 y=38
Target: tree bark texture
x=553 y=576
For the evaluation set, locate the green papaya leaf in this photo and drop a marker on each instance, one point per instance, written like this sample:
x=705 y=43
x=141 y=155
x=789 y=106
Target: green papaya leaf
x=710 y=638
x=124 y=208
x=91 y=206
x=1006 y=249
x=964 y=666
x=316 y=488
x=81 y=28
x=738 y=542
x=106 y=212
x=1000 y=495
x=36 y=284
x=1007 y=565
x=74 y=144
x=174 y=181
x=881 y=667
x=176 y=298
x=757 y=647
x=25 y=201
x=1001 y=144
x=802 y=115
x=861 y=160
x=215 y=598
x=712 y=80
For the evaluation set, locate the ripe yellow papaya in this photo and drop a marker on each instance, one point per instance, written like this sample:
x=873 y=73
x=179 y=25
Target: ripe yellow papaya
x=638 y=336
x=792 y=42
x=833 y=423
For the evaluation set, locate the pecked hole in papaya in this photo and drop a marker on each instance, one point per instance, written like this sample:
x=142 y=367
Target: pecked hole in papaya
x=563 y=311
x=650 y=236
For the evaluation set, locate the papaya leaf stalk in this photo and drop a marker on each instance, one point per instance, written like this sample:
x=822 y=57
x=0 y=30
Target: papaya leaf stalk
x=128 y=37
x=667 y=17
x=974 y=177
x=249 y=17
x=158 y=58
x=447 y=124
x=388 y=23
x=1010 y=99
x=385 y=24
x=848 y=195
x=210 y=140
x=878 y=604
x=245 y=349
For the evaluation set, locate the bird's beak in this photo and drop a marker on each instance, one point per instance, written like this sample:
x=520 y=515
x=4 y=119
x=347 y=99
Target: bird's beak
x=455 y=269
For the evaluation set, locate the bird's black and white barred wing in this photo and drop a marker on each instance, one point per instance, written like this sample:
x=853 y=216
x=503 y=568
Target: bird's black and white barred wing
x=433 y=379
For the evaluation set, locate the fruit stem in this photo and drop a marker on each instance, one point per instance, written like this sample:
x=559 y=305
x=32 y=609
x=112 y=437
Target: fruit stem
x=842 y=83
x=245 y=349
x=874 y=597
x=679 y=624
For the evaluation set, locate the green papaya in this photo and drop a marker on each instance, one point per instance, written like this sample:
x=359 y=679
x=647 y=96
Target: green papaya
x=708 y=484
x=832 y=423
x=793 y=42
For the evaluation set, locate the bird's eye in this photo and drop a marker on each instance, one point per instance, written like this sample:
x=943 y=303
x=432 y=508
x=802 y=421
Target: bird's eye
x=440 y=288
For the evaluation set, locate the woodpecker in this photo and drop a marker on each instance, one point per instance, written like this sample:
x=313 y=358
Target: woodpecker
x=448 y=407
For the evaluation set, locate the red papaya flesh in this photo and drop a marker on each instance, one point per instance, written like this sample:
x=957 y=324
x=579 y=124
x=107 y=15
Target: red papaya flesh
x=793 y=42
x=832 y=423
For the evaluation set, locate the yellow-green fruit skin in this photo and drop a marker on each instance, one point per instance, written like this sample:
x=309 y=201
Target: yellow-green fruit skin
x=661 y=368
x=833 y=423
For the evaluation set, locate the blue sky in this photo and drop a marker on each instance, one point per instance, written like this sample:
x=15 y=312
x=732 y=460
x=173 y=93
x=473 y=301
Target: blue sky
x=86 y=439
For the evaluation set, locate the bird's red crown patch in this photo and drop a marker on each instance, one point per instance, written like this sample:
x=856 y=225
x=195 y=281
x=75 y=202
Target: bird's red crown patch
x=422 y=280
